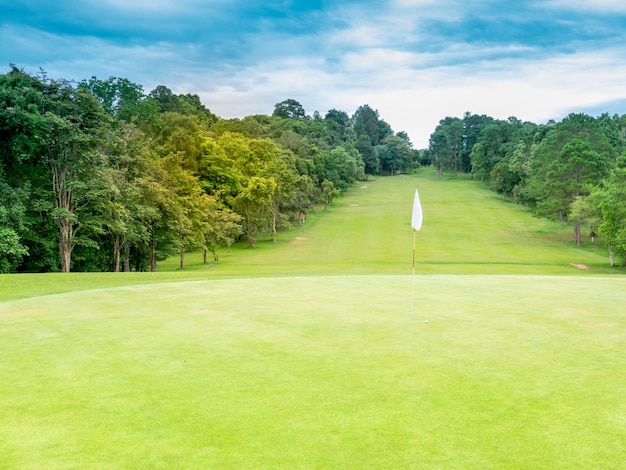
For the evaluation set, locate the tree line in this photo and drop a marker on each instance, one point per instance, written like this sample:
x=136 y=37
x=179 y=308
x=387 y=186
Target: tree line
x=99 y=175
x=573 y=170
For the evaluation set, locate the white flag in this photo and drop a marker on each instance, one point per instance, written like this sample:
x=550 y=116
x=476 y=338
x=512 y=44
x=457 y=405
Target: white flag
x=416 y=220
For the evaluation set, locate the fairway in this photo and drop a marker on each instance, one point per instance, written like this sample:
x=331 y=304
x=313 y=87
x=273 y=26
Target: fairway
x=307 y=354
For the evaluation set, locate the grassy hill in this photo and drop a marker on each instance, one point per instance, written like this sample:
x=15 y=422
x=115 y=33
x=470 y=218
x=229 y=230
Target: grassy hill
x=467 y=230
x=316 y=353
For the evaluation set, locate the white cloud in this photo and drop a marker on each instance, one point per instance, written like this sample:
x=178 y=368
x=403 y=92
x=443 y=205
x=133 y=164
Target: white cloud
x=414 y=100
x=373 y=58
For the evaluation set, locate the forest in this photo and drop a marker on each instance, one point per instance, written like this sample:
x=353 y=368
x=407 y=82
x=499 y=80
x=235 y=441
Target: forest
x=99 y=175
x=573 y=170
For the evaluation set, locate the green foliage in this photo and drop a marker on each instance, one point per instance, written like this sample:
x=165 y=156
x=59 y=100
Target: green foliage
x=255 y=204
x=289 y=109
x=610 y=202
x=119 y=97
x=120 y=178
x=572 y=157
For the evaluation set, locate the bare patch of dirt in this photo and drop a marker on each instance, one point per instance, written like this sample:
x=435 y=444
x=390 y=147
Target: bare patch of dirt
x=580 y=266
x=354 y=205
x=297 y=240
x=364 y=186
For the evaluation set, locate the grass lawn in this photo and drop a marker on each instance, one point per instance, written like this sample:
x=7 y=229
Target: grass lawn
x=306 y=354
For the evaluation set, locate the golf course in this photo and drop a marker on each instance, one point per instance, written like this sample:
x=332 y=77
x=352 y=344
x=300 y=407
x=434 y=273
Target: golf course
x=503 y=346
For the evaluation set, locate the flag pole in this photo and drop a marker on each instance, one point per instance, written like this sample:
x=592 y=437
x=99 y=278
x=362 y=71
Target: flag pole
x=416 y=224
x=413 y=273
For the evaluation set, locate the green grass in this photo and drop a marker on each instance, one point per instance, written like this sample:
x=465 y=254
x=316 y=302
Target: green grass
x=309 y=355
x=319 y=372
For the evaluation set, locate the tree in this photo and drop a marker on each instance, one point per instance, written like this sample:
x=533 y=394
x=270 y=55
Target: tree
x=283 y=172
x=184 y=206
x=224 y=226
x=573 y=156
x=367 y=129
x=365 y=122
x=12 y=211
x=304 y=197
x=255 y=204
x=342 y=167
x=370 y=156
x=70 y=151
x=606 y=207
x=219 y=174
x=119 y=97
x=439 y=149
x=329 y=192
x=396 y=156
x=495 y=144
x=182 y=134
x=55 y=131
x=123 y=204
x=289 y=109
x=473 y=124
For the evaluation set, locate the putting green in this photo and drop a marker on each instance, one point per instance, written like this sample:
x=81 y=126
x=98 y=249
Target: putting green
x=318 y=372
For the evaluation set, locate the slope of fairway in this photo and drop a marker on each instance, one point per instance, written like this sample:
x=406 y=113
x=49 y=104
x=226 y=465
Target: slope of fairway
x=523 y=372
x=467 y=229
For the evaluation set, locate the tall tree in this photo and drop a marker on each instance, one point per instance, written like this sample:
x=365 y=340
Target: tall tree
x=12 y=211
x=119 y=97
x=70 y=151
x=123 y=202
x=613 y=212
x=574 y=155
x=446 y=143
x=59 y=136
x=283 y=171
x=255 y=204
x=289 y=109
x=223 y=228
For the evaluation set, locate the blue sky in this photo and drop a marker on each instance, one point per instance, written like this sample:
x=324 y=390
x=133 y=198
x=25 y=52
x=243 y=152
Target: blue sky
x=415 y=61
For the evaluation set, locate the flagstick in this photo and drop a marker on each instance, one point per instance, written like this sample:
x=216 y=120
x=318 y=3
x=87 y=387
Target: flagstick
x=413 y=273
x=416 y=223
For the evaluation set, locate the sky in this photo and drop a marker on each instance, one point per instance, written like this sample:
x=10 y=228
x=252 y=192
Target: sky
x=415 y=61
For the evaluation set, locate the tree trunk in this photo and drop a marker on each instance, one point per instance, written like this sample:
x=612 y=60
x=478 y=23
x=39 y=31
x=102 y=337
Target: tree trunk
x=182 y=257
x=204 y=255
x=66 y=235
x=153 y=263
x=577 y=231
x=611 y=256
x=116 y=253
x=456 y=163
x=274 y=217
x=126 y=259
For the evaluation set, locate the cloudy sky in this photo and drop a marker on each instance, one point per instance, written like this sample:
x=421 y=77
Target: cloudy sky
x=415 y=61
